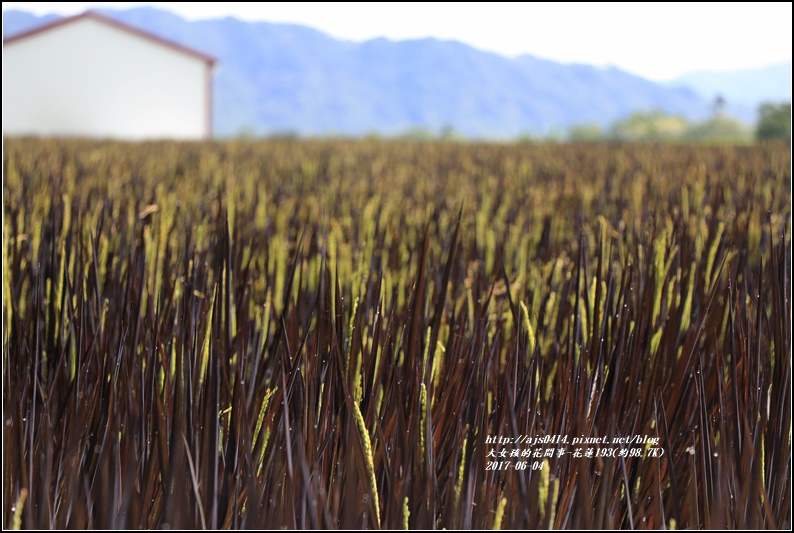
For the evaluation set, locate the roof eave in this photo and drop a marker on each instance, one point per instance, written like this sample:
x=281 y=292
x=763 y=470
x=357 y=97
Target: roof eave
x=95 y=15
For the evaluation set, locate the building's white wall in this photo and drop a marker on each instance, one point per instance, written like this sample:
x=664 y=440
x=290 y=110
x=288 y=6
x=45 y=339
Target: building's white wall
x=89 y=79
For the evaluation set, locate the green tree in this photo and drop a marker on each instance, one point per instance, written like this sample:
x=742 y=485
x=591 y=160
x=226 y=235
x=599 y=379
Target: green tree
x=418 y=134
x=774 y=122
x=718 y=107
x=719 y=129
x=590 y=132
x=649 y=126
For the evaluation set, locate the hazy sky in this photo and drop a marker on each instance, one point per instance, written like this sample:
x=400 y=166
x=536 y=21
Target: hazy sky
x=658 y=41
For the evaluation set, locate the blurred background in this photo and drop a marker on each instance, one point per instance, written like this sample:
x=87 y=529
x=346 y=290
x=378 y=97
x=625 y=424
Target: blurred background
x=581 y=72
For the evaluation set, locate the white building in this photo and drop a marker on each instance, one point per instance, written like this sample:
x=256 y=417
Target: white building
x=91 y=76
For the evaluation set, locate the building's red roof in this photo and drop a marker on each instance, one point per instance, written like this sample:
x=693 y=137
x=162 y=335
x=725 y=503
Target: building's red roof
x=116 y=24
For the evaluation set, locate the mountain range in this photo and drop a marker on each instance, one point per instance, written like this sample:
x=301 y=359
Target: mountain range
x=742 y=90
x=286 y=78
x=746 y=87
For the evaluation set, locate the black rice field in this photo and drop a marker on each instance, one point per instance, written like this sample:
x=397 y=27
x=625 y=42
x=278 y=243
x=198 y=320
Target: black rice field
x=371 y=334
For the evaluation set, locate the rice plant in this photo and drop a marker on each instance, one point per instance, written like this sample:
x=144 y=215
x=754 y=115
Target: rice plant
x=328 y=334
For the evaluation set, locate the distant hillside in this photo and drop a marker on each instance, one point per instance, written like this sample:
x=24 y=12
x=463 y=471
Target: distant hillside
x=744 y=86
x=742 y=90
x=16 y=21
x=290 y=78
